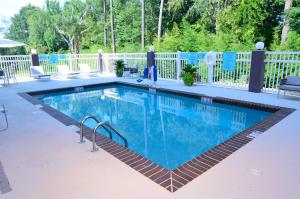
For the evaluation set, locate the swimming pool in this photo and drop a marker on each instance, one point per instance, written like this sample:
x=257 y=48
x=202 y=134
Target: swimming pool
x=165 y=128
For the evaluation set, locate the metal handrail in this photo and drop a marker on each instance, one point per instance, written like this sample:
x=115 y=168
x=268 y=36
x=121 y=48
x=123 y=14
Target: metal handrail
x=105 y=126
x=81 y=125
x=116 y=132
x=94 y=149
x=3 y=110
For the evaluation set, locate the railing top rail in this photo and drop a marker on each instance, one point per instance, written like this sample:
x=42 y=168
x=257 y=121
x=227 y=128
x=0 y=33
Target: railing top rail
x=15 y=56
x=282 y=61
x=81 y=55
x=283 y=52
x=142 y=53
x=172 y=53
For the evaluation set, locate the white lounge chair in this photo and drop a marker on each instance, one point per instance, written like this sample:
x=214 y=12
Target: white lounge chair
x=65 y=71
x=290 y=83
x=86 y=70
x=37 y=72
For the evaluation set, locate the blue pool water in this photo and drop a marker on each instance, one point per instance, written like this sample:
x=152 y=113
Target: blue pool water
x=168 y=129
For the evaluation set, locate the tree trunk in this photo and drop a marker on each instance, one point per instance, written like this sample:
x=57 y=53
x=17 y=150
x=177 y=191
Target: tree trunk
x=160 y=18
x=286 y=27
x=104 y=19
x=74 y=44
x=113 y=43
x=143 y=24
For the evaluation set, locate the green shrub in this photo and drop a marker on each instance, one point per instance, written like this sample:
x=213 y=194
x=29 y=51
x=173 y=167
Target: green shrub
x=188 y=75
x=119 y=67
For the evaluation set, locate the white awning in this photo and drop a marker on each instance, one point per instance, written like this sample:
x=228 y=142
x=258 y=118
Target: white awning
x=7 y=43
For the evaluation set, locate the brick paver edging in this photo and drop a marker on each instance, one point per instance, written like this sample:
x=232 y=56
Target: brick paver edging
x=175 y=179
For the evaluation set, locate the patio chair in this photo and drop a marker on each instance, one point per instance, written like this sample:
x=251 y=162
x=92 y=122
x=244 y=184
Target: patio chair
x=86 y=70
x=126 y=72
x=65 y=71
x=37 y=72
x=133 y=71
x=8 y=72
x=13 y=72
x=130 y=71
x=291 y=83
x=3 y=110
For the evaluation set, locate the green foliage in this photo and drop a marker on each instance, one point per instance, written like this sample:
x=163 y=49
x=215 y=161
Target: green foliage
x=92 y=39
x=188 y=25
x=119 y=67
x=188 y=75
x=190 y=38
x=43 y=35
x=294 y=19
x=129 y=33
x=292 y=44
x=243 y=19
x=19 y=28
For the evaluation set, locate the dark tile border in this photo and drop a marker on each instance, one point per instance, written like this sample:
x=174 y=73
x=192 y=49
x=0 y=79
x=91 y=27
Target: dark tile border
x=175 y=179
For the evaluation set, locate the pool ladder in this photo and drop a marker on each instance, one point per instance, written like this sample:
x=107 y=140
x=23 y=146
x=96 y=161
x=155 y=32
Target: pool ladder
x=105 y=125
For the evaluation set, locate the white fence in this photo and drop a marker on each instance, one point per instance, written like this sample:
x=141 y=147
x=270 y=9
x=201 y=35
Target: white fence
x=278 y=65
x=72 y=61
x=17 y=64
x=170 y=65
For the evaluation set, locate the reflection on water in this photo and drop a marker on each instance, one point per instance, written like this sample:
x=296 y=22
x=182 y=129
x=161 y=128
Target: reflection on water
x=167 y=129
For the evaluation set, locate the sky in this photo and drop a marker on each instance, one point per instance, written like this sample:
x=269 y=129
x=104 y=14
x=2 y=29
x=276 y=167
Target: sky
x=8 y=8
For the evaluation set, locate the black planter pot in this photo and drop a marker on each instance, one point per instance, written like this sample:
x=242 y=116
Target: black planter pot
x=119 y=75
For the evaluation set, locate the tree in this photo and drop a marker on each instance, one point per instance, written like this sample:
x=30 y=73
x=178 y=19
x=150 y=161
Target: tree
x=244 y=19
x=175 y=5
x=94 y=39
x=71 y=23
x=152 y=8
x=19 y=28
x=43 y=35
x=285 y=29
x=104 y=20
x=112 y=28
x=205 y=12
x=293 y=17
x=160 y=19
x=129 y=35
x=143 y=24
x=186 y=25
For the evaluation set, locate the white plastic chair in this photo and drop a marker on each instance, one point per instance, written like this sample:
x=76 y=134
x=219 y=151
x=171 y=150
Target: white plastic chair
x=86 y=70
x=37 y=72
x=65 y=71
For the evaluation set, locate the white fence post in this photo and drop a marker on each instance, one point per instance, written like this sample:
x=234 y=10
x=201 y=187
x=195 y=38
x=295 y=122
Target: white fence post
x=210 y=69
x=106 y=62
x=70 y=61
x=125 y=59
x=178 y=67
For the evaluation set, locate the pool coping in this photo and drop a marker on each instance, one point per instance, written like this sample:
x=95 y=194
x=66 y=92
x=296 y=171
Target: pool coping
x=177 y=178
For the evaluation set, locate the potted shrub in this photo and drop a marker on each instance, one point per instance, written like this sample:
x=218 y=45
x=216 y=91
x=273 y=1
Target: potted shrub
x=119 y=67
x=188 y=75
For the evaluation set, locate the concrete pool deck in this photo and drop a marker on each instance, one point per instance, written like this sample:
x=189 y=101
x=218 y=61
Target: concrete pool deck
x=42 y=157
